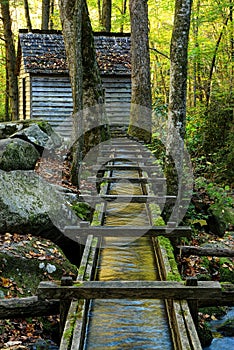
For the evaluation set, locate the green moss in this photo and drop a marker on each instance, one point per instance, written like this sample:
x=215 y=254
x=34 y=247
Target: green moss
x=140 y=134
x=94 y=242
x=78 y=284
x=174 y=274
x=96 y=219
x=25 y=265
x=81 y=270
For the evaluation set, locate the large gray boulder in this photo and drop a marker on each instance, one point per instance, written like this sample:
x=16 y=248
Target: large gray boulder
x=40 y=139
x=30 y=205
x=16 y=154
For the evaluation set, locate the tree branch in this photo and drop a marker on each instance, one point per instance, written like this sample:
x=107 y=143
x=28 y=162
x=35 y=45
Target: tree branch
x=161 y=53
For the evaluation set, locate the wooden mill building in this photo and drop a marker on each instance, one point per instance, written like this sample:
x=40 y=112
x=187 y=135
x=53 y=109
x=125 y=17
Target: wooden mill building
x=44 y=84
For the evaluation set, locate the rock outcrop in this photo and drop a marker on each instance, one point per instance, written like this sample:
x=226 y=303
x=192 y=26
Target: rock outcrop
x=28 y=204
x=39 y=138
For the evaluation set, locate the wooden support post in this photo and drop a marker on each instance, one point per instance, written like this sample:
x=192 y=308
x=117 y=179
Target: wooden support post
x=64 y=304
x=193 y=304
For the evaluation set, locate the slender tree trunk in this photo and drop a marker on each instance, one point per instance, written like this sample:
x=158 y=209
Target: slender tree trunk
x=99 y=11
x=177 y=105
x=106 y=15
x=45 y=14
x=71 y=18
x=178 y=71
x=10 y=59
x=209 y=82
x=141 y=100
x=7 y=116
x=232 y=38
x=27 y=15
x=124 y=10
x=51 y=14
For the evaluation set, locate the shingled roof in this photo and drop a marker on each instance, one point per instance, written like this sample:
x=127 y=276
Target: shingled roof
x=44 y=52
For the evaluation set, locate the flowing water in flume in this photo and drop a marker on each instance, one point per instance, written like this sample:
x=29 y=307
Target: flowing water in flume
x=121 y=323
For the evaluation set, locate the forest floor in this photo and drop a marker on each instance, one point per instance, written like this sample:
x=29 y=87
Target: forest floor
x=42 y=333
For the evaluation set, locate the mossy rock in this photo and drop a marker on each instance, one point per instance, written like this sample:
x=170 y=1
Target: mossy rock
x=205 y=335
x=27 y=262
x=17 y=154
x=217 y=311
x=220 y=218
x=223 y=266
x=227 y=328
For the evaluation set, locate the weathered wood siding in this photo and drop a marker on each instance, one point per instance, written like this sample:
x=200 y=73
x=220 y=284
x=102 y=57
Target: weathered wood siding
x=51 y=100
x=24 y=87
x=117 y=98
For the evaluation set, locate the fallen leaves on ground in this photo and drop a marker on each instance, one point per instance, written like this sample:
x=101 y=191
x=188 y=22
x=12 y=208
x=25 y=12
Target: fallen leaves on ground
x=25 y=332
x=193 y=265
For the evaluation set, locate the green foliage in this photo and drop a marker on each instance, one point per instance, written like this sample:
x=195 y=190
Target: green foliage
x=195 y=218
x=82 y=210
x=219 y=267
x=120 y=21
x=219 y=196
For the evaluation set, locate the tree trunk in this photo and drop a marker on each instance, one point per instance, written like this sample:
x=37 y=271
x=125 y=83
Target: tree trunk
x=85 y=80
x=106 y=15
x=175 y=156
x=209 y=82
x=51 y=14
x=93 y=93
x=10 y=59
x=124 y=10
x=45 y=14
x=141 y=100
x=99 y=12
x=7 y=115
x=27 y=15
x=71 y=18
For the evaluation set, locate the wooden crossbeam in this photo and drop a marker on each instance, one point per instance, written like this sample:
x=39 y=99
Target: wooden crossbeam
x=127 y=199
x=130 y=290
x=208 y=251
x=101 y=160
x=125 y=152
x=227 y=298
x=127 y=231
x=142 y=180
x=123 y=143
x=138 y=167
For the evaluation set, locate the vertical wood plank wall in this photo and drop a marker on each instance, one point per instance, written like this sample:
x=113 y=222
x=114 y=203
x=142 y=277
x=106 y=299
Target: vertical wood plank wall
x=27 y=108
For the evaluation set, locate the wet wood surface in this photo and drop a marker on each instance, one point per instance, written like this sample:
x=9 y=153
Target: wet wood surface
x=130 y=290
